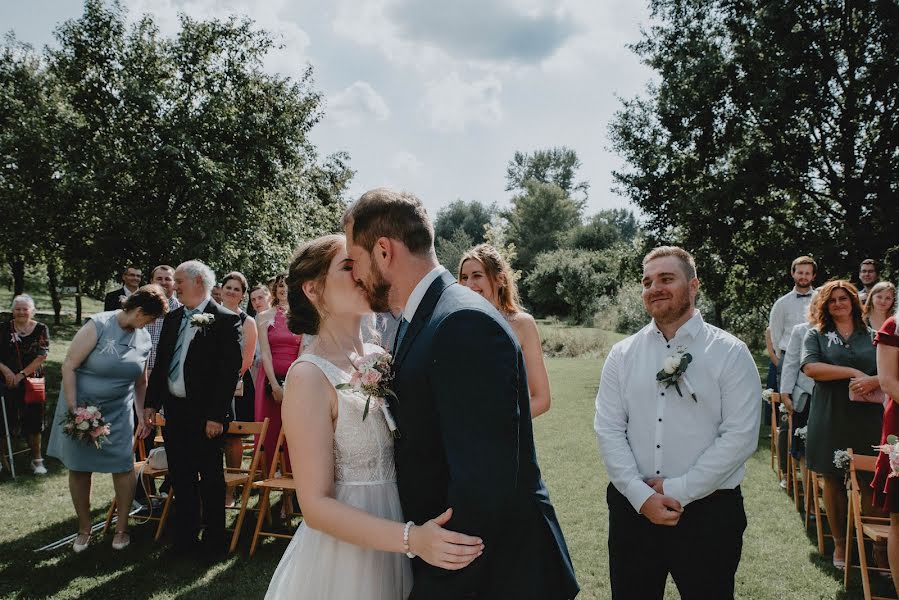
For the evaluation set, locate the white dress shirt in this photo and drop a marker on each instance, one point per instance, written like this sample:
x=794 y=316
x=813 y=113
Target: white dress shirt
x=419 y=291
x=176 y=386
x=792 y=380
x=646 y=430
x=787 y=312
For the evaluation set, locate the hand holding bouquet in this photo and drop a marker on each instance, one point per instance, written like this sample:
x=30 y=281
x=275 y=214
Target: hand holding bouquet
x=85 y=424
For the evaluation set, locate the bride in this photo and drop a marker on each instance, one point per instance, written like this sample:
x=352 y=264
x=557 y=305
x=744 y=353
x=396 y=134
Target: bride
x=352 y=540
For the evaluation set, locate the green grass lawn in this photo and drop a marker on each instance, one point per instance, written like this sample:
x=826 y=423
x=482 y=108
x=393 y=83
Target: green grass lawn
x=779 y=559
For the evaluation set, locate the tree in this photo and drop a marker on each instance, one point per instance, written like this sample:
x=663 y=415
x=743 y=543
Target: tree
x=185 y=148
x=538 y=219
x=569 y=282
x=471 y=217
x=555 y=165
x=603 y=230
x=450 y=251
x=773 y=131
x=28 y=160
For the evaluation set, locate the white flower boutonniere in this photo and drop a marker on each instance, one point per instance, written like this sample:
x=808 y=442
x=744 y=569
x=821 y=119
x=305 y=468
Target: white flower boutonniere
x=674 y=369
x=833 y=338
x=202 y=321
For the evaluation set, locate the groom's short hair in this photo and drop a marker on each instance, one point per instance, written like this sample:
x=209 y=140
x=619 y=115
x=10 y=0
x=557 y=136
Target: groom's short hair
x=688 y=265
x=396 y=215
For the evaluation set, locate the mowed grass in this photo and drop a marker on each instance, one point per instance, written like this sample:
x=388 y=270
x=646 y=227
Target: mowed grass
x=779 y=559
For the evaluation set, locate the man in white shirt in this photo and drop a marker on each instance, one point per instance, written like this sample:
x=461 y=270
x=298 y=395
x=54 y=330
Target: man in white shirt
x=676 y=453
x=789 y=310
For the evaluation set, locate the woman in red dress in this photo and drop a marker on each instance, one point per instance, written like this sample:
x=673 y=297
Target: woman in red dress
x=278 y=348
x=886 y=488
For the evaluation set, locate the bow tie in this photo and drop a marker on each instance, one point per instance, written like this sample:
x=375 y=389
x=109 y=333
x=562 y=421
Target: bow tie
x=808 y=295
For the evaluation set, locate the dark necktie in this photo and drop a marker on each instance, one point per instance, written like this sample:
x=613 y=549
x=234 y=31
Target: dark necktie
x=400 y=333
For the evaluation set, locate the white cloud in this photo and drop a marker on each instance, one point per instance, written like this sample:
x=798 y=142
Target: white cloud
x=270 y=15
x=451 y=103
x=357 y=103
x=406 y=162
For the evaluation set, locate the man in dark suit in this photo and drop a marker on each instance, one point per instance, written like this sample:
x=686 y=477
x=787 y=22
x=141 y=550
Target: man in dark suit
x=463 y=411
x=197 y=365
x=130 y=282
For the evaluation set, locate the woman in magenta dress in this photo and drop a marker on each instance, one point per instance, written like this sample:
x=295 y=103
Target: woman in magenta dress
x=886 y=488
x=278 y=348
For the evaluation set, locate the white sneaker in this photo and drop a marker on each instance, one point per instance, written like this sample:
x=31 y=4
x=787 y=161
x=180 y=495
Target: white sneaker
x=38 y=468
x=783 y=483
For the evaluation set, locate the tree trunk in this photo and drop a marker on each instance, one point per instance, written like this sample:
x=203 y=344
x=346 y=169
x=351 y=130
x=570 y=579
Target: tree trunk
x=17 y=265
x=78 y=304
x=53 y=286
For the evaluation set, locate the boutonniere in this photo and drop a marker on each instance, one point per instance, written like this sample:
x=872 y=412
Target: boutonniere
x=372 y=375
x=833 y=338
x=202 y=321
x=673 y=372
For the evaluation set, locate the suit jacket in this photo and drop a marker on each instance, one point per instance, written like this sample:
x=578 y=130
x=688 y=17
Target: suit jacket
x=112 y=300
x=211 y=367
x=463 y=411
x=792 y=380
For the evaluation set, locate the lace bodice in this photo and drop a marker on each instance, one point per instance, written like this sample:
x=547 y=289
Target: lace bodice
x=363 y=450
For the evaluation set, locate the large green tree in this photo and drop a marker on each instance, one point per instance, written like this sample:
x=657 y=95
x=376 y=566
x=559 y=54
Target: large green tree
x=471 y=217
x=772 y=131
x=183 y=147
x=538 y=219
x=553 y=165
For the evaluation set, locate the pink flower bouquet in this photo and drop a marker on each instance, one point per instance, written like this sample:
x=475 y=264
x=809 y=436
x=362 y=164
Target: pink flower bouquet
x=85 y=424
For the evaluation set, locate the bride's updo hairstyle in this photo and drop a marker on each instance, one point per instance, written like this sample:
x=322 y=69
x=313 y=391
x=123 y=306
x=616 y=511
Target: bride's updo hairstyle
x=310 y=262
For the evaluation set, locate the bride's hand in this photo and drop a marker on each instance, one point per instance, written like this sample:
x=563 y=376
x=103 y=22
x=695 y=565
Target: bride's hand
x=444 y=548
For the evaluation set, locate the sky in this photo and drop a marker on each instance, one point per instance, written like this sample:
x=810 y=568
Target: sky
x=435 y=97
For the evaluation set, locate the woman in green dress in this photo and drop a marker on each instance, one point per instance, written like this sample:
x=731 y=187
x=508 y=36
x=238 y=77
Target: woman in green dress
x=838 y=354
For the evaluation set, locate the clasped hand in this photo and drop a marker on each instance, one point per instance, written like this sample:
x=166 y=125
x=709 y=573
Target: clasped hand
x=444 y=548
x=864 y=385
x=659 y=508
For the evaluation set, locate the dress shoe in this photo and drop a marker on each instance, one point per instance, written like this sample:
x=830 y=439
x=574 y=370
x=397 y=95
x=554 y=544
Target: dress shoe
x=82 y=541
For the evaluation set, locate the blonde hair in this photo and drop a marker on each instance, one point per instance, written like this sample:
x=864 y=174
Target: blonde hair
x=877 y=289
x=688 y=265
x=499 y=273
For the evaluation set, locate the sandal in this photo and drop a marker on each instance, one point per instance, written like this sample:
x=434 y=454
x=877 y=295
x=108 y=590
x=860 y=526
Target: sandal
x=120 y=540
x=82 y=540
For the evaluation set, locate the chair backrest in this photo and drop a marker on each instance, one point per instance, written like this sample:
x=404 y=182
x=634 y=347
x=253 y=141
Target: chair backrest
x=247 y=427
x=861 y=462
x=279 y=458
x=775 y=410
x=158 y=420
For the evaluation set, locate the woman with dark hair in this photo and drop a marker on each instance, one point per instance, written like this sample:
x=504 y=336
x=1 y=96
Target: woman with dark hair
x=839 y=356
x=278 y=348
x=24 y=346
x=352 y=539
x=234 y=288
x=484 y=271
x=106 y=367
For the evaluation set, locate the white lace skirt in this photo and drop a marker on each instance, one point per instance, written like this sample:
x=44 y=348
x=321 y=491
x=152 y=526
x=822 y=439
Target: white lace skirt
x=316 y=566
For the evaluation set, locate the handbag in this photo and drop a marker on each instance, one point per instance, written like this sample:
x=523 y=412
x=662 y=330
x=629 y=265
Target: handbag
x=157 y=458
x=35 y=387
x=875 y=397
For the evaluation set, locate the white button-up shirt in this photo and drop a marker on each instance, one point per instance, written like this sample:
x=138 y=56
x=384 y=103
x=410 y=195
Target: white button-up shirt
x=789 y=310
x=176 y=386
x=646 y=430
x=419 y=291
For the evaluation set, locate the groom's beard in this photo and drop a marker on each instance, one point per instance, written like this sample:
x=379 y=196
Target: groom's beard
x=678 y=309
x=377 y=291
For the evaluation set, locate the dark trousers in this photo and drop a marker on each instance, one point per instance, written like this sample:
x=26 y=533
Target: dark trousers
x=197 y=472
x=701 y=552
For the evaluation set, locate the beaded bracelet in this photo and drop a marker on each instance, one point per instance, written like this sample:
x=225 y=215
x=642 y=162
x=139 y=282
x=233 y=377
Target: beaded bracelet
x=408 y=550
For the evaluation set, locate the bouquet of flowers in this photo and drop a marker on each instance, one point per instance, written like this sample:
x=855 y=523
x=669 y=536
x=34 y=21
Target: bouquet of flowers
x=801 y=432
x=372 y=375
x=841 y=459
x=766 y=395
x=891 y=448
x=85 y=424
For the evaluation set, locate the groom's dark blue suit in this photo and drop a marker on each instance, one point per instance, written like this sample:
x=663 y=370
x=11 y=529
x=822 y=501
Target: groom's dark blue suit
x=466 y=442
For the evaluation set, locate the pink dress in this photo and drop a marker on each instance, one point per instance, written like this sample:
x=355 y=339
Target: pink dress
x=285 y=348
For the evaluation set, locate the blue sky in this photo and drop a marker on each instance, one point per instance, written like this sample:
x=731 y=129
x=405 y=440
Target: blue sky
x=435 y=97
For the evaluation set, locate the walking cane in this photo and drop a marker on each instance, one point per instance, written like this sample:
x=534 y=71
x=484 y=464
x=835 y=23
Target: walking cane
x=12 y=463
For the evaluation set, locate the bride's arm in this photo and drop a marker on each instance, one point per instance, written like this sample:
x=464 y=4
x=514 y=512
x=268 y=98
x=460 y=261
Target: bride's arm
x=308 y=413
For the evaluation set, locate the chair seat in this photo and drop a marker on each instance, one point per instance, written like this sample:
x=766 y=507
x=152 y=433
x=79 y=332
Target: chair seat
x=236 y=478
x=876 y=532
x=277 y=483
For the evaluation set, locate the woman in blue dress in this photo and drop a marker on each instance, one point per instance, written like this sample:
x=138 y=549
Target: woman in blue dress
x=106 y=367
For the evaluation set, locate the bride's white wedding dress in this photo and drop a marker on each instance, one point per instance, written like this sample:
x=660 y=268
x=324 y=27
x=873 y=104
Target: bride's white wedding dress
x=315 y=565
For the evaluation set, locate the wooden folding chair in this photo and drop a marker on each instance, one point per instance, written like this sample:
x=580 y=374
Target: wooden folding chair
x=282 y=482
x=865 y=527
x=147 y=473
x=775 y=414
x=816 y=484
x=237 y=476
x=796 y=484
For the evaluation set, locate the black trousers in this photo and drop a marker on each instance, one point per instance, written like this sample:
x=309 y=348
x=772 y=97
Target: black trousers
x=701 y=552
x=197 y=473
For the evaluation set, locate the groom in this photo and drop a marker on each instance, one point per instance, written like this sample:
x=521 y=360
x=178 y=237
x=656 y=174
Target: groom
x=463 y=412
x=197 y=365
x=675 y=455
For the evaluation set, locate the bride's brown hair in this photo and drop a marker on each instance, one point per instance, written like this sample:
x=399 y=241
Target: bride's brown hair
x=310 y=262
